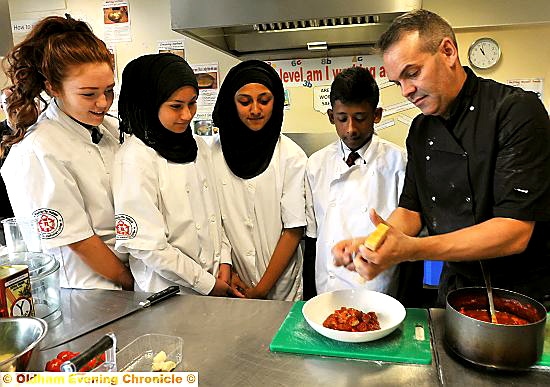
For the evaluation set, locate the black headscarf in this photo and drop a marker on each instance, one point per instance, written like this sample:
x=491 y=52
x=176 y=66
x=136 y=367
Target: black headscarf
x=248 y=152
x=147 y=82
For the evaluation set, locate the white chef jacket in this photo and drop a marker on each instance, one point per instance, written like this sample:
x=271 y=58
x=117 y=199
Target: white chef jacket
x=338 y=201
x=168 y=218
x=57 y=174
x=255 y=211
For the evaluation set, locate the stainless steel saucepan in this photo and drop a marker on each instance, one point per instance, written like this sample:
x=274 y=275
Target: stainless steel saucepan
x=499 y=346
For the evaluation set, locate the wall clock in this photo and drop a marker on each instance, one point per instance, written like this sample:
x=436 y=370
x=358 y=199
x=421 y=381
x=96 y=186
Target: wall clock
x=484 y=53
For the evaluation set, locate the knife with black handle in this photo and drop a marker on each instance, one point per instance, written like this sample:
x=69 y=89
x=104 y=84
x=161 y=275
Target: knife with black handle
x=158 y=297
x=66 y=331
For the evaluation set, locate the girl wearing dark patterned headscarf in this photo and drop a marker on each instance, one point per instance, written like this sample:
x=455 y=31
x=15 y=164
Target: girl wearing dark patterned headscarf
x=260 y=175
x=166 y=209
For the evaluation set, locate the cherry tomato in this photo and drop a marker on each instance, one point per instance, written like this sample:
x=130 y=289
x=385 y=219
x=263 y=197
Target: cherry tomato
x=95 y=362
x=54 y=365
x=66 y=355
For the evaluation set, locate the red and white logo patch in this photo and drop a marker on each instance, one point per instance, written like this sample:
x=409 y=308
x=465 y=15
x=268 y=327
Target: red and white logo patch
x=50 y=222
x=125 y=226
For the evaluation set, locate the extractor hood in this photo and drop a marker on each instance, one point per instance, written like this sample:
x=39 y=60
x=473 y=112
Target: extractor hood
x=284 y=29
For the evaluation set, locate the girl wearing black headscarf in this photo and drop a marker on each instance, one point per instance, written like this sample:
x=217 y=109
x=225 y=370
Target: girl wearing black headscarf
x=167 y=214
x=260 y=175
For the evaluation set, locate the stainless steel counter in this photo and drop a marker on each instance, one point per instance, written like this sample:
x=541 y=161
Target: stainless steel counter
x=227 y=341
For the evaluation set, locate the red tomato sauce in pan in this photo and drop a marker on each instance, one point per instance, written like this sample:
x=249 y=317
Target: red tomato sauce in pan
x=503 y=318
x=352 y=320
x=508 y=311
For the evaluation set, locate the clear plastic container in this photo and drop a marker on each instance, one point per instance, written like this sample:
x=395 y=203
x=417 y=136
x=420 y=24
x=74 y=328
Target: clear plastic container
x=44 y=274
x=138 y=355
x=22 y=235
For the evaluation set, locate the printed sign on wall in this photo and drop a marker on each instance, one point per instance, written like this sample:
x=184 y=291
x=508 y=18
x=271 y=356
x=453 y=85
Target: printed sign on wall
x=321 y=71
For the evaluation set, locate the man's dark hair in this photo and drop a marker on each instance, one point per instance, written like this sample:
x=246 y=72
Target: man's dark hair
x=431 y=27
x=354 y=85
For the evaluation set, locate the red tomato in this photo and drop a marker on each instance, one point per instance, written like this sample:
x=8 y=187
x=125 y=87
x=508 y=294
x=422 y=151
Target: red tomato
x=91 y=364
x=66 y=355
x=54 y=365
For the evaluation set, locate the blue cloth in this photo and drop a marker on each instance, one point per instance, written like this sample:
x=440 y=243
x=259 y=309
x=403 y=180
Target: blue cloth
x=432 y=271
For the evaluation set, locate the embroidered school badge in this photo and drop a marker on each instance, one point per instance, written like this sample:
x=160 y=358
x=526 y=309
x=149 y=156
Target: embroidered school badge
x=50 y=222
x=125 y=226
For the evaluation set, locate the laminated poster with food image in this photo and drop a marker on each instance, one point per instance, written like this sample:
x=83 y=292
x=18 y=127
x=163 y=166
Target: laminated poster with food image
x=208 y=79
x=202 y=124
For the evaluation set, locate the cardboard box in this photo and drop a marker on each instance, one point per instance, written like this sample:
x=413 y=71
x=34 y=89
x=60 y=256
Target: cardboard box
x=15 y=291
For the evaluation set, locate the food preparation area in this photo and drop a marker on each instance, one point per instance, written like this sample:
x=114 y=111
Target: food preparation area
x=227 y=341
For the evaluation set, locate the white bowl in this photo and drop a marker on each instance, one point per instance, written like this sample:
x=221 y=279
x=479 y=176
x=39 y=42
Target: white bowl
x=390 y=313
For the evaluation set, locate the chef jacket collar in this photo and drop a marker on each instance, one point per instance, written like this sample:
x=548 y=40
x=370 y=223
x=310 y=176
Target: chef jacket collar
x=88 y=127
x=54 y=112
x=469 y=89
x=361 y=151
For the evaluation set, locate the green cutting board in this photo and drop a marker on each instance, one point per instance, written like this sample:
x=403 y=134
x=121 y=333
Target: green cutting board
x=545 y=360
x=296 y=336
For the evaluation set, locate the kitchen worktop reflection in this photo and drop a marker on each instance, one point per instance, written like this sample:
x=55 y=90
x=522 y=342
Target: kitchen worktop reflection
x=85 y=310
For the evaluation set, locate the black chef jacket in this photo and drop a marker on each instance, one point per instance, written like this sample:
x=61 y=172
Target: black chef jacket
x=490 y=158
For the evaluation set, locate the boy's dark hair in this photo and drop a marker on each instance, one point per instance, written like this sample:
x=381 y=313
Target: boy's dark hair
x=354 y=85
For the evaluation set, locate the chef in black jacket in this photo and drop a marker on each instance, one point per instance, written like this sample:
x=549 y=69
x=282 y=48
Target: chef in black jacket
x=478 y=172
x=5 y=206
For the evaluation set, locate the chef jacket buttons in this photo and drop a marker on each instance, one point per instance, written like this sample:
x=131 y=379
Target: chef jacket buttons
x=430 y=143
x=331 y=275
x=433 y=198
x=427 y=158
x=465 y=154
x=212 y=218
x=468 y=199
x=205 y=186
x=472 y=108
x=198 y=226
x=250 y=252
